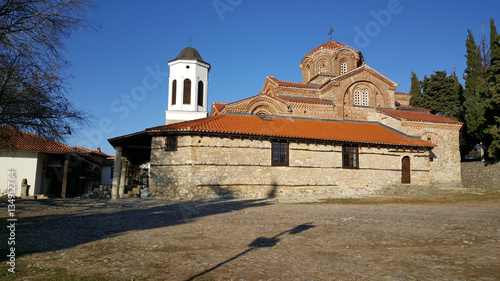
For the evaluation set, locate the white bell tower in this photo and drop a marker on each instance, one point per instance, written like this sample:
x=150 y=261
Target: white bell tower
x=187 y=88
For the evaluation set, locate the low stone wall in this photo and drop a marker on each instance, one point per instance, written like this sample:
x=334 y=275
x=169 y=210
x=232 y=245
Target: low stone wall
x=235 y=168
x=481 y=175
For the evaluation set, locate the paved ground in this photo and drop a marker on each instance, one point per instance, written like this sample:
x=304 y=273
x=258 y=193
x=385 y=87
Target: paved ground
x=134 y=239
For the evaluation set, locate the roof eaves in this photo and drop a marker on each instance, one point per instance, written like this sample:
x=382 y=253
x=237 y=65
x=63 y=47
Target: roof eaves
x=451 y=122
x=292 y=84
x=128 y=136
x=197 y=128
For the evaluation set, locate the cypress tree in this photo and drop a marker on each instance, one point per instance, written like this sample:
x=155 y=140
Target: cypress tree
x=415 y=91
x=475 y=80
x=493 y=110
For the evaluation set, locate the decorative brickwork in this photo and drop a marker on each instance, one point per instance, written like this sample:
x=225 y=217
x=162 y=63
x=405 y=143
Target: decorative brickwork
x=341 y=102
x=402 y=99
x=328 y=58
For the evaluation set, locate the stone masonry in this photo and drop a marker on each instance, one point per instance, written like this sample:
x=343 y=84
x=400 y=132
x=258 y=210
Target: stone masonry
x=205 y=167
x=337 y=85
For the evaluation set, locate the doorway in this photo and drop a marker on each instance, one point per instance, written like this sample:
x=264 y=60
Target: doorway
x=405 y=170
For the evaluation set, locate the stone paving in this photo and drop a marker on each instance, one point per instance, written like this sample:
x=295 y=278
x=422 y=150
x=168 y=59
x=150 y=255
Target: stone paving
x=134 y=239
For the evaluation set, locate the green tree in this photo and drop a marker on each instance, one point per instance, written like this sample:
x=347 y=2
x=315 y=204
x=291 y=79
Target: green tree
x=475 y=77
x=442 y=94
x=33 y=78
x=415 y=91
x=493 y=109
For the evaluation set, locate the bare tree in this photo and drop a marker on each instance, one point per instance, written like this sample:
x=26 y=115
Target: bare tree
x=33 y=77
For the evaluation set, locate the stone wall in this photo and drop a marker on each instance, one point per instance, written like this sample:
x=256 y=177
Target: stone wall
x=208 y=167
x=445 y=165
x=481 y=175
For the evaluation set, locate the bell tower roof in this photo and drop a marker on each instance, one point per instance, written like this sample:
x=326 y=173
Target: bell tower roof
x=187 y=90
x=189 y=53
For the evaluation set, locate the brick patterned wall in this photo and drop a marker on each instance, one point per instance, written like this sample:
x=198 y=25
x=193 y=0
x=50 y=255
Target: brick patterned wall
x=208 y=167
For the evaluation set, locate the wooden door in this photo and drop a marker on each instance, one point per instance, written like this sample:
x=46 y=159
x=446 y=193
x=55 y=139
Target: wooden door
x=405 y=170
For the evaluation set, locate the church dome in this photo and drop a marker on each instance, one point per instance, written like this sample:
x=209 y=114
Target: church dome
x=330 y=45
x=190 y=53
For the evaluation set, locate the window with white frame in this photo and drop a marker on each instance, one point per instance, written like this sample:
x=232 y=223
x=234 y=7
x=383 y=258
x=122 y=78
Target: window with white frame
x=364 y=99
x=343 y=68
x=357 y=97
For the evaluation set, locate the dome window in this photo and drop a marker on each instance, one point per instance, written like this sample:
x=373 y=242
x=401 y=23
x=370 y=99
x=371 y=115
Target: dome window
x=343 y=67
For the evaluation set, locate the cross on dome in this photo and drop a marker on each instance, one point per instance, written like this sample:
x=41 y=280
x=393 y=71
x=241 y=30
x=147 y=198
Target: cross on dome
x=330 y=33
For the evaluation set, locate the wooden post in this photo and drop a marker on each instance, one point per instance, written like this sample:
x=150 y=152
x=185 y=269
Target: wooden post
x=65 y=178
x=123 y=178
x=116 y=173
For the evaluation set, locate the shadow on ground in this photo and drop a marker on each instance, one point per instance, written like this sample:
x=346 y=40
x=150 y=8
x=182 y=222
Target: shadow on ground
x=260 y=242
x=45 y=233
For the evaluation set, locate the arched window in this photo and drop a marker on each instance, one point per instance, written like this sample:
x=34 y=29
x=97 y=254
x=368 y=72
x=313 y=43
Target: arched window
x=174 y=91
x=364 y=99
x=343 y=68
x=357 y=97
x=200 y=93
x=187 y=92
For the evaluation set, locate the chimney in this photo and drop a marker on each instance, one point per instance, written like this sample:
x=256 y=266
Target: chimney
x=99 y=149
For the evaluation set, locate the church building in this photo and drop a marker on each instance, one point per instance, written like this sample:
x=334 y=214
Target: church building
x=343 y=131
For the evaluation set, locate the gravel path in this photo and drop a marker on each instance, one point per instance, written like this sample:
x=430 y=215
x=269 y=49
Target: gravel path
x=134 y=239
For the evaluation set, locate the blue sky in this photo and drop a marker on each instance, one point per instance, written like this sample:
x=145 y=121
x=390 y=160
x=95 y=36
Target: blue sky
x=121 y=71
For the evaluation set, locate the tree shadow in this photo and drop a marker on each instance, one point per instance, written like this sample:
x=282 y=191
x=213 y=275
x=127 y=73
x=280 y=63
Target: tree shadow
x=272 y=193
x=222 y=193
x=260 y=242
x=62 y=231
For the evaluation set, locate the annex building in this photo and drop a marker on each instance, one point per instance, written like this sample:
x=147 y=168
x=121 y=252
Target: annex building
x=344 y=130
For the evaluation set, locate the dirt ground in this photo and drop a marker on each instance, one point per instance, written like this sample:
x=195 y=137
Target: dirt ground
x=138 y=239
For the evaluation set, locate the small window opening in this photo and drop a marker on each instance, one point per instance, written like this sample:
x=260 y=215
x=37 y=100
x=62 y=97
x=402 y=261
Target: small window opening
x=171 y=143
x=279 y=153
x=350 y=156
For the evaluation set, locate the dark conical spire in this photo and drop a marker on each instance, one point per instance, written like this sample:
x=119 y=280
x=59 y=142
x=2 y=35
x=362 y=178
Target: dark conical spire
x=189 y=53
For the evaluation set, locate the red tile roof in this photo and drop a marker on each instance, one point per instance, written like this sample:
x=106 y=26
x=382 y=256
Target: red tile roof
x=88 y=151
x=330 y=45
x=401 y=93
x=413 y=108
x=291 y=84
x=418 y=116
x=307 y=129
x=239 y=101
x=17 y=140
x=96 y=155
x=219 y=105
x=306 y=100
